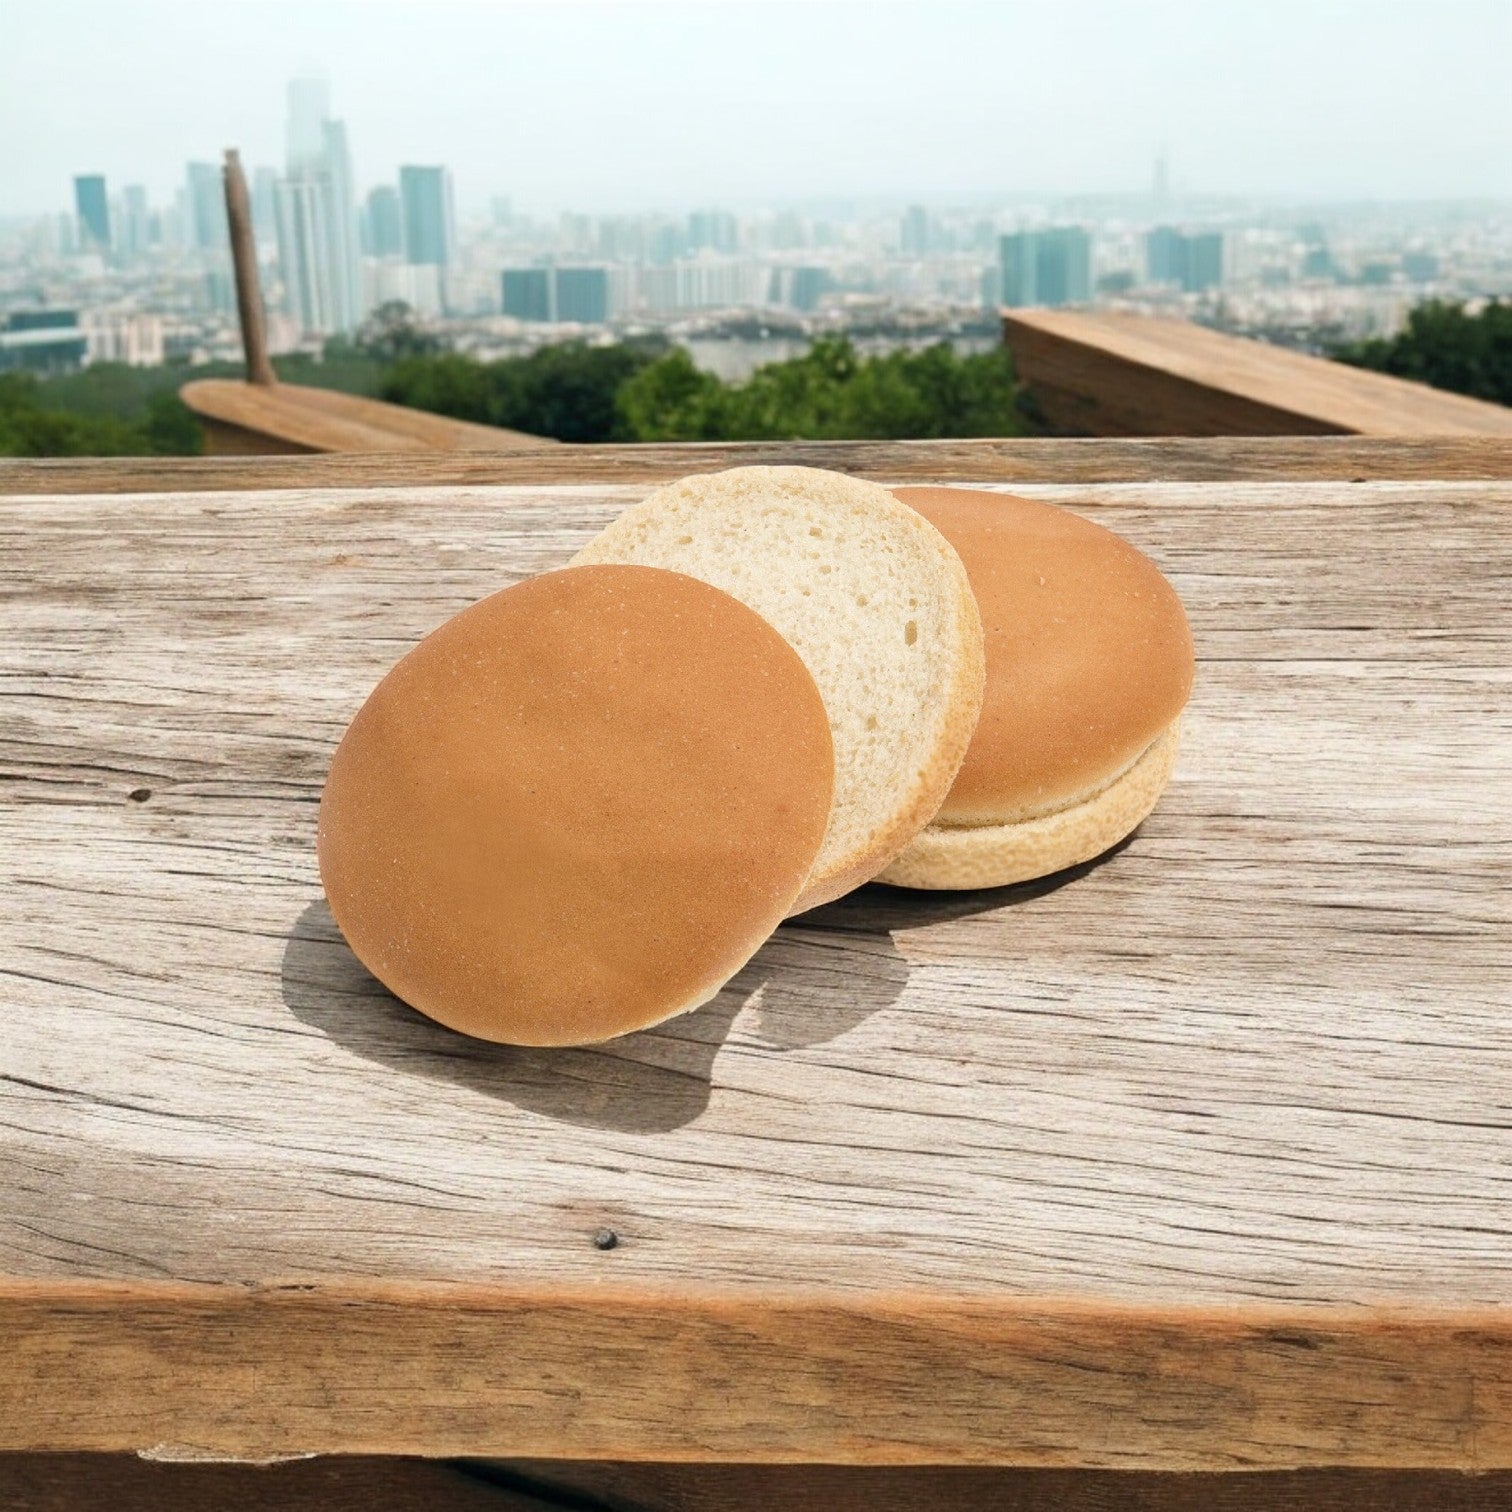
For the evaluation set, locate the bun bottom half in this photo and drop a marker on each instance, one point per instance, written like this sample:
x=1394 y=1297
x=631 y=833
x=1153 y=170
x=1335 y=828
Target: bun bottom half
x=962 y=857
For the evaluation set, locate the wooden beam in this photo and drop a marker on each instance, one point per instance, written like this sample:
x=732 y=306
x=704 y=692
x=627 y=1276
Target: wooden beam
x=1115 y=374
x=249 y=304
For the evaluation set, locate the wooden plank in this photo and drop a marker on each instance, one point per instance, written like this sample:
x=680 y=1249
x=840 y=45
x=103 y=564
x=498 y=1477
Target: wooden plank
x=1115 y=374
x=293 y=416
x=1345 y=459
x=1198 y=1157
x=608 y=1371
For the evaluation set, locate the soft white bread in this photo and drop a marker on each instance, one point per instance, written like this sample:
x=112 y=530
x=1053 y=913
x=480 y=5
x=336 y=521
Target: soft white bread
x=1089 y=663
x=878 y=606
x=577 y=808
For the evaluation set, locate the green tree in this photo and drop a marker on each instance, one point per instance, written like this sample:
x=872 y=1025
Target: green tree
x=829 y=393
x=567 y=390
x=1443 y=344
x=391 y=333
x=34 y=424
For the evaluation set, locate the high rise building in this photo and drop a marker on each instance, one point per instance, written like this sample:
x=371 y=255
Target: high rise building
x=383 y=223
x=265 y=205
x=426 y=197
x=93 y=209
x=1049 y=267
x=309 y=110
x=1204 y=261
x=1165 y=255
x=316 y=214
x=799 y=288
x=347 y=274
x=134 y=230
x=306 y=257
x=1189 y=262
x=527 y=293
x=582 y=295
x=914 y=237
x=205 y=203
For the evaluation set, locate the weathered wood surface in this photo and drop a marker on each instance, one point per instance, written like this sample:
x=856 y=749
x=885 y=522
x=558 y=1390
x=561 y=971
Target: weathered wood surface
x=1199 y=1157
x=1198 y=460
x=1113 y=374
x=295 y=418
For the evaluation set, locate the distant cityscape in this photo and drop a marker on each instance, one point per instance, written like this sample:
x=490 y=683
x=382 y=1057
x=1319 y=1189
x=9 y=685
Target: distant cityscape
x=118 y=278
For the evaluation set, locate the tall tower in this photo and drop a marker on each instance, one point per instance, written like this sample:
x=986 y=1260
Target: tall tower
x=425 y=195
x=316 y=213
x=93 y=208
x=309 y=110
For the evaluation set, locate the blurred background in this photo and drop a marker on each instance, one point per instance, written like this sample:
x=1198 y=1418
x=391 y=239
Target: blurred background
x=686 y=219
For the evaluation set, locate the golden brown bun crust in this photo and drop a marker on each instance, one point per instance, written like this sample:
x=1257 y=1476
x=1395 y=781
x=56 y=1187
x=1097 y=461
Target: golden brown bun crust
x=993 y=855
x=578 y=807
x=1089 y=656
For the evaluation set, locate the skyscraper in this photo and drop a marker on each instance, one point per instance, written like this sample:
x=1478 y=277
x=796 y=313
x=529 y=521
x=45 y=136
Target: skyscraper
x=527 y=293
x=317 y=217
x=426 y=197
x=134 y=231
x=93 y=208
x=205 y=200
x=309 y=110
x=347 y=272
x=582 y=295
x=1204 y=261
x=1050 y=267
x=305 y=256
x=265 y=205
x=383 y=223
x=1190 y=262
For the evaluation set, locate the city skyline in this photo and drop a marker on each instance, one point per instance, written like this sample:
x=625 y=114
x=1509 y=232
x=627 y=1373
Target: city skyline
x=636 y=106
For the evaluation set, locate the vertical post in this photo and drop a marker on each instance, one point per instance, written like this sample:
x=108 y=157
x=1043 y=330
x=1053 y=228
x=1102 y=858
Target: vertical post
x=249 y=306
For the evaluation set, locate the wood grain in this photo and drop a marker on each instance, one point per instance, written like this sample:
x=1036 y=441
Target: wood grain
x=1341 y=458
x=294 y=417
x=1114 y=374
x=1196 y=1157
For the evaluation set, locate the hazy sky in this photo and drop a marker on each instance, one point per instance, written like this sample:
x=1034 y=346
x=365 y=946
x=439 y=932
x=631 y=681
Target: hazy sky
x=639 y=103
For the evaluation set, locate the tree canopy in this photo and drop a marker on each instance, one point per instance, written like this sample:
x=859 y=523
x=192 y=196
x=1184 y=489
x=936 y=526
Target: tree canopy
x=829 y=393
x=1445 y=345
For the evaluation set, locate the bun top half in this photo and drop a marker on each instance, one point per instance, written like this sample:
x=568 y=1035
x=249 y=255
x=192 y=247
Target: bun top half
x=578 y=807
x=1089 y=655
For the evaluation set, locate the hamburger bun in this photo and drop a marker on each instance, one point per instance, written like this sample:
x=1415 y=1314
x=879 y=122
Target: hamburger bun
x=578 y=807
x=1089 y=664
x=876 y=603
